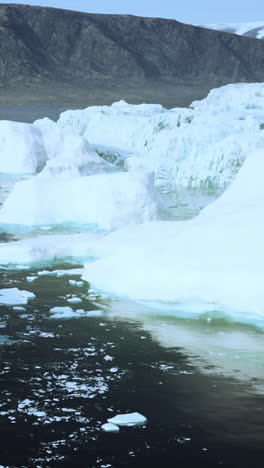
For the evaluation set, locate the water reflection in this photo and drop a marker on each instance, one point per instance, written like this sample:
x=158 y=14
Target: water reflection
x=216 y=345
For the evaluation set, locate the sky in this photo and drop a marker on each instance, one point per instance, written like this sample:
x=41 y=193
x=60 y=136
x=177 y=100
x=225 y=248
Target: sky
x=187 y=11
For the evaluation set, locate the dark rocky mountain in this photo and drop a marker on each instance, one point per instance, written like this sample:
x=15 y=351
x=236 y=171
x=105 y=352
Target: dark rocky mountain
x=53 y=57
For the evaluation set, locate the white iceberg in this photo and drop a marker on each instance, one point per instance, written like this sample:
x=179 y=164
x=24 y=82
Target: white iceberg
x=129 y=419
x=14 y=296
x=239 y=97
x=214 y=261
x=108 y=201
x=202 y=146
x=21 y=148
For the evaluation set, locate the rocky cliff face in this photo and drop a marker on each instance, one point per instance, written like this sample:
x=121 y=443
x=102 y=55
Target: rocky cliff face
x=40 y=47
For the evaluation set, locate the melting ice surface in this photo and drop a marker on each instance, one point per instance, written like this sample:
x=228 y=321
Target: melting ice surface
x=108 y=173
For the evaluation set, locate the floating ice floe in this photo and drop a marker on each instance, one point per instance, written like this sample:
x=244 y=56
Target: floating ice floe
x=14 y=296
x=129 y=419
x=79 y=284
x=30 y=279
x=110 y=428
x=21 y=148
x=109 y=201
x=74 y=300
x=68 y=312
x=212 y=262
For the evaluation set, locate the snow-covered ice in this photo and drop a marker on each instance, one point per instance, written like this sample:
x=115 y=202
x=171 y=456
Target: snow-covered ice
x=14 y=296
x=129 y=419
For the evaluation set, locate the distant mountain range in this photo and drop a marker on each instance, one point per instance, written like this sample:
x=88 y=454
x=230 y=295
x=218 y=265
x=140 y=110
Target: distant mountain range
x=255 y=29
x=72 y=59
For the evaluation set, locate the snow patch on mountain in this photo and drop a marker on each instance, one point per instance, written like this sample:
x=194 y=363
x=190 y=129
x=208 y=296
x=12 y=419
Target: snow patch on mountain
x=251 y=29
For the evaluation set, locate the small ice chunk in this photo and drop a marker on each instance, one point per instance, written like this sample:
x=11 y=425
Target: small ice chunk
x=44 y=272
x=79 y=284
x=68 y=312
x=62 y=312
x=75 y=300
x=89 y=313
x=107 y=357
x=129 y=419
x=72 y=282
x=30 y=279
x=19 y=309
x=110 y=428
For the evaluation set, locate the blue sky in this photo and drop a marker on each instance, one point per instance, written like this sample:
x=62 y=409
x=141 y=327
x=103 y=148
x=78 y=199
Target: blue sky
x=188 y=11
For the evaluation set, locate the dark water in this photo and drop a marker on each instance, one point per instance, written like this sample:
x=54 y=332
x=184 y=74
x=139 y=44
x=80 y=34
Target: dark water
x=28 y=114
x=61 y=379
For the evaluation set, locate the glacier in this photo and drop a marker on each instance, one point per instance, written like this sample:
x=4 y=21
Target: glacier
x=196 y=147
x=107 y=168
x=201 y=146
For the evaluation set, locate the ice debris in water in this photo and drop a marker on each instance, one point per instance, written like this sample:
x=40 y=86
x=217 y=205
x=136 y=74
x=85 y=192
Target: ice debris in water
x=79 y=284
x=68 y=312
x=129 y=419
x=14 y=296
x=74 y=300
x=108 y=427
x=30 y=279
